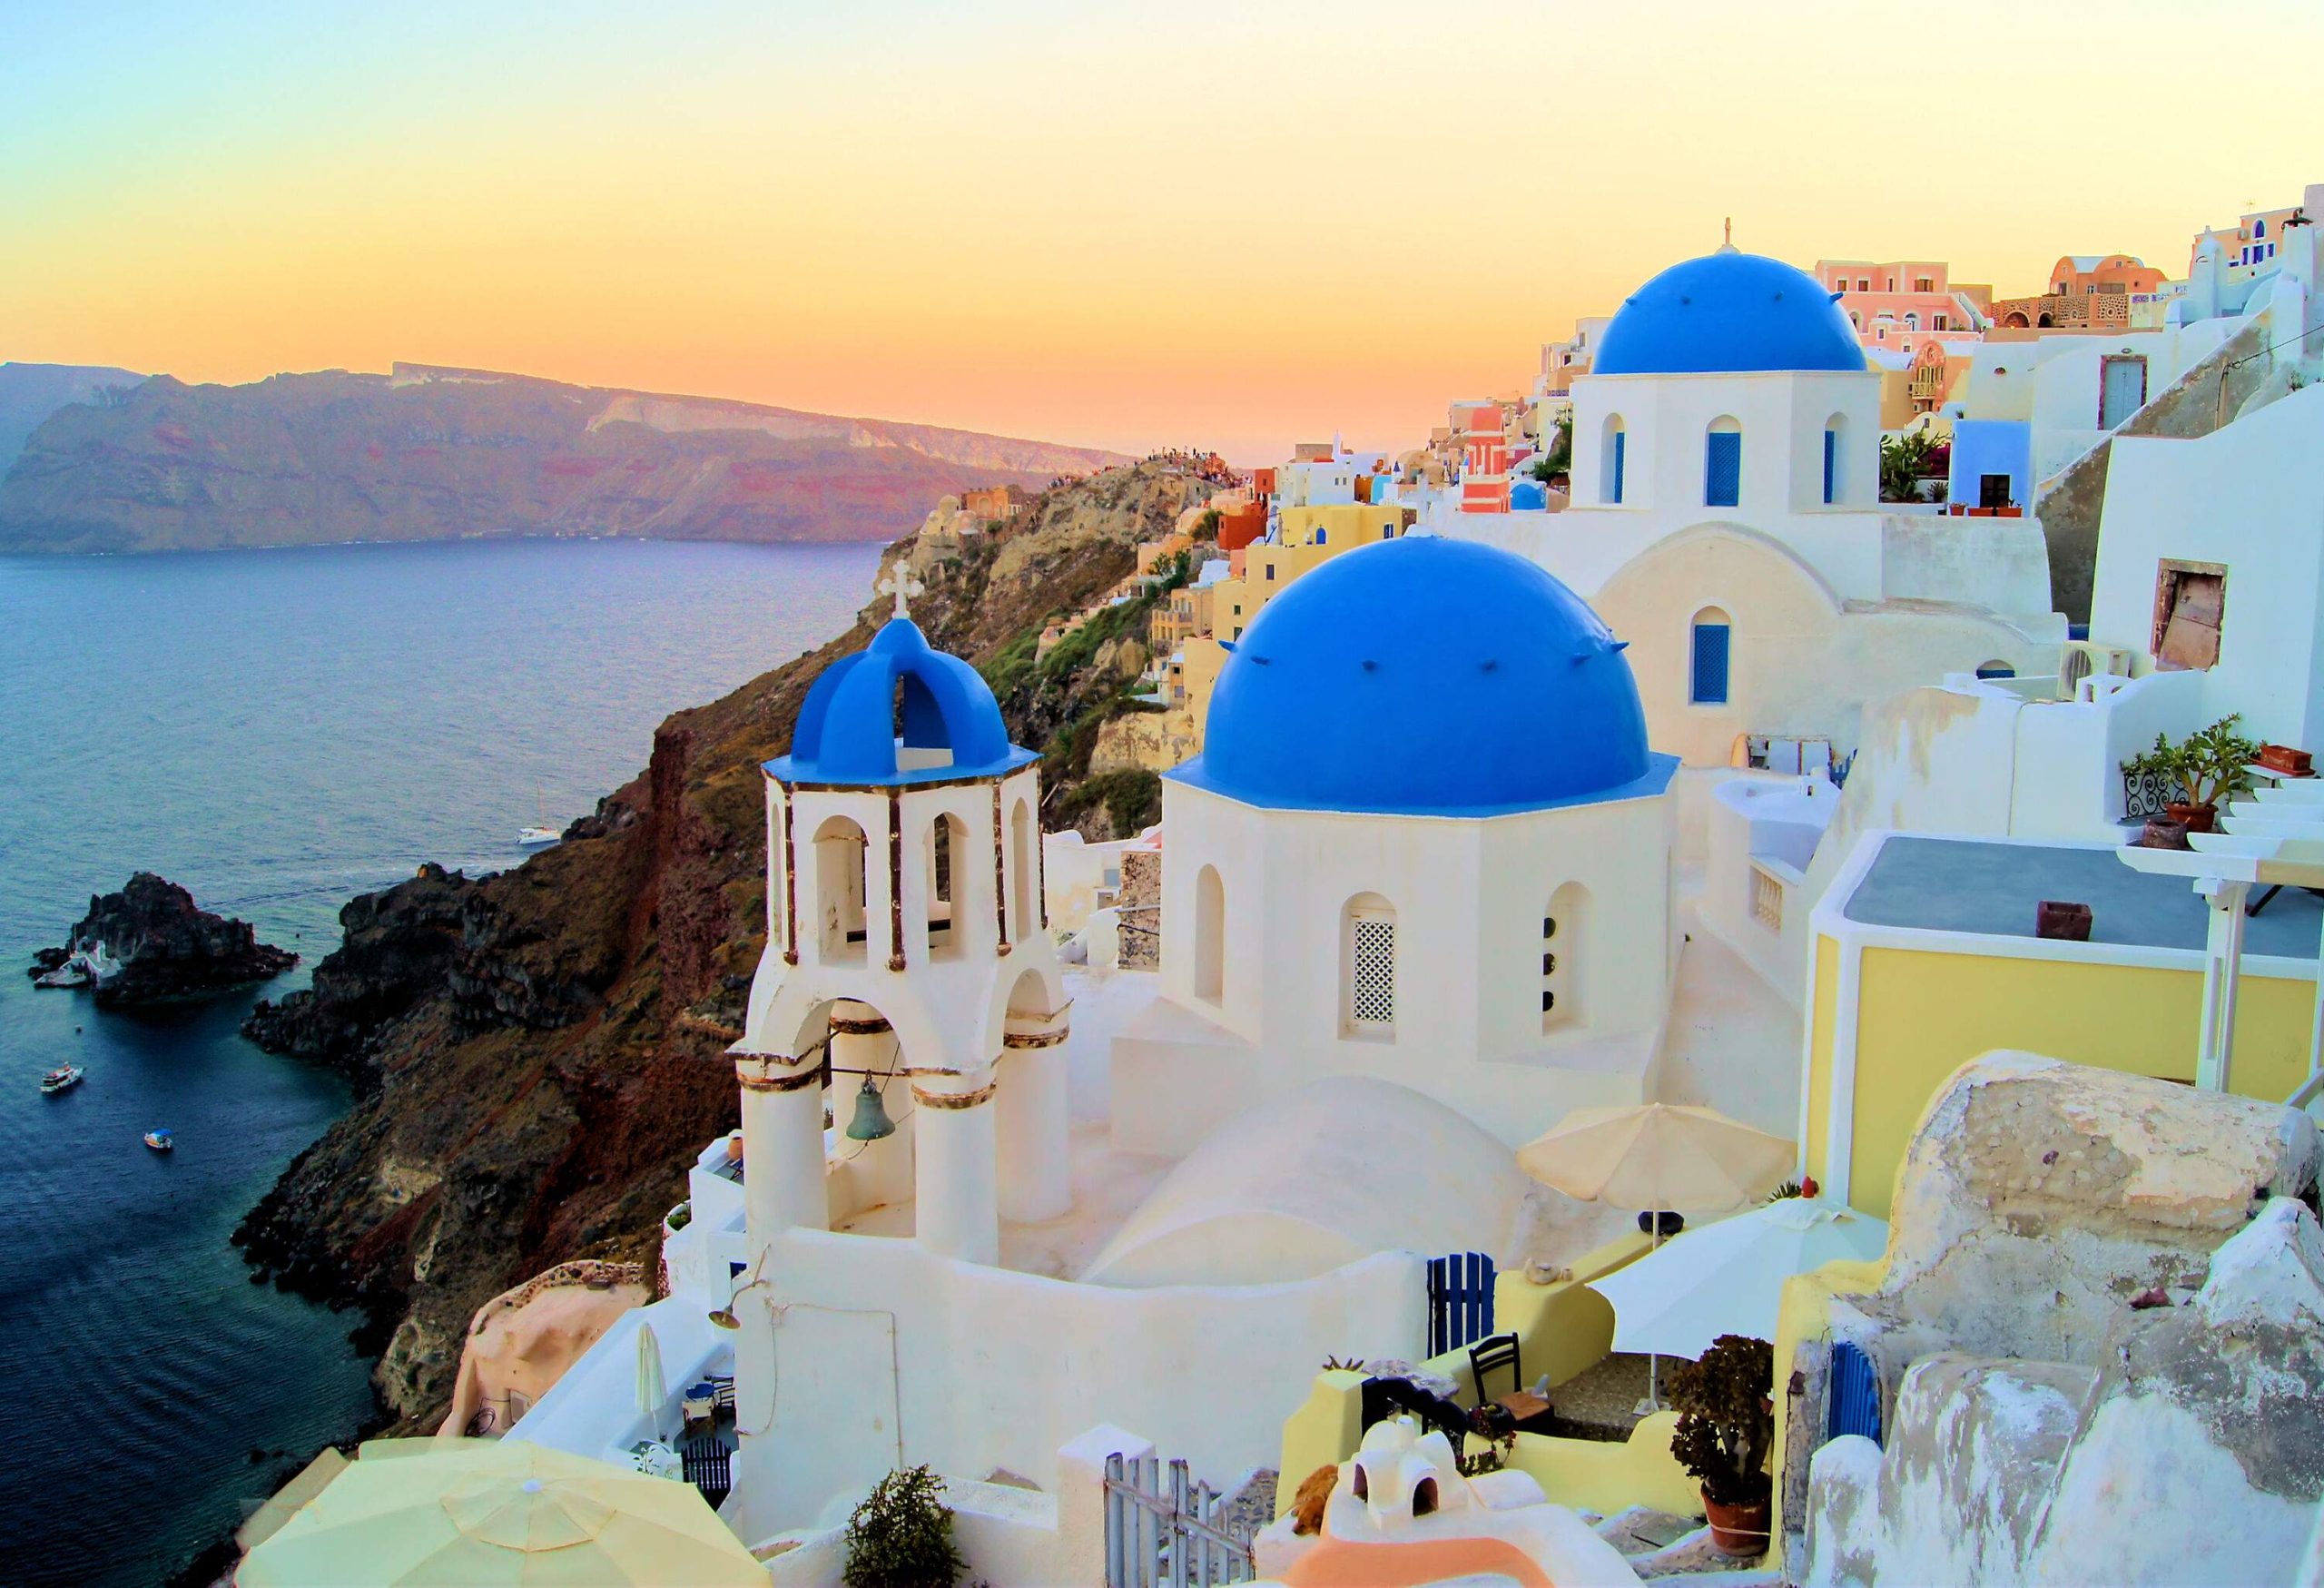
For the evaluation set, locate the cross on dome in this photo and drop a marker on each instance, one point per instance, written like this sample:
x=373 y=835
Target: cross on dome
x=900 y=583
x=1727 y=237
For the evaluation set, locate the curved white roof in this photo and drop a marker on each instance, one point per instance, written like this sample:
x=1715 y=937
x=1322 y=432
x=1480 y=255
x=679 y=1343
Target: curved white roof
x=1317 y=1178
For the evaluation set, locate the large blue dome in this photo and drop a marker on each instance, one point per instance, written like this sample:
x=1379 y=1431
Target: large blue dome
x=1727 y=313
x=897 y=712
x=1426 y=676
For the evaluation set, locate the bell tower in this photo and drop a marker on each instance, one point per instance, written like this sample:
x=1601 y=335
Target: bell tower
x=907 y=957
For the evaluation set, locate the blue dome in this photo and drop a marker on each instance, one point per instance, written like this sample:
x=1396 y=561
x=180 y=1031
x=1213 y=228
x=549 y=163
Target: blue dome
x=1727 y=313
x=1426 y=676
x=847 y=729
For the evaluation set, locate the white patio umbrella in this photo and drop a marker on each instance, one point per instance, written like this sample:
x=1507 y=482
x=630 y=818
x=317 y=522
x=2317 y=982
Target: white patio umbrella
x=1727 y=1277
x=651 y=1392
x=1658 y=1158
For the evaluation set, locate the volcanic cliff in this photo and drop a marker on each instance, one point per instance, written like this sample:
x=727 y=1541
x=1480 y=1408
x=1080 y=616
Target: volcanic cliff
x=435 y=454
x=539 y=1052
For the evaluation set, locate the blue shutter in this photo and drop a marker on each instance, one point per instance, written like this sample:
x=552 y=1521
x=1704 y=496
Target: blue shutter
x=1831 y=462
x=1854 y=1402
x=1710 y=664
x=1460 y=1301
x=1614 y=490
x=1723 y=469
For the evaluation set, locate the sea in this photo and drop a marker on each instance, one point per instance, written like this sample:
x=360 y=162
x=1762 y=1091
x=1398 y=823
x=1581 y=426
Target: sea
x=278 y=730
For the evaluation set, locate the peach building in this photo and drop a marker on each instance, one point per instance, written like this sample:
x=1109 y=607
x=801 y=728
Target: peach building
x=1905 y=304
x=2086 y=291
x=1482 y=429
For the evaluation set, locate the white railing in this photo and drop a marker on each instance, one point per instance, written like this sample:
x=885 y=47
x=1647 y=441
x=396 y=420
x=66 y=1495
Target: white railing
x=1767 y=897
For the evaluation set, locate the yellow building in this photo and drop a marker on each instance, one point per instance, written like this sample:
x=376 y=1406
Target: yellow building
x=1924 y=956
x=1340 y=525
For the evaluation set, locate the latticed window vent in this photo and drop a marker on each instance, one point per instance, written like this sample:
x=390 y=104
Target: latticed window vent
x=1371 y=989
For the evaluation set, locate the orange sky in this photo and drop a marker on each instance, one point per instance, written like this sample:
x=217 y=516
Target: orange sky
x=1226 y=225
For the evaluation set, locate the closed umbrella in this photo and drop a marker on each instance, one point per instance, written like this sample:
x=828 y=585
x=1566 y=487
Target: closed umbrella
x=1727 y=1277
x=482 y=1513
x=1656 y=1158
x=651 y=1392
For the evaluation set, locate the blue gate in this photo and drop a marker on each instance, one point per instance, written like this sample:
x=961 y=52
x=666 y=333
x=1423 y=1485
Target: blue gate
x=1854 y=1406
x=1460 y=1300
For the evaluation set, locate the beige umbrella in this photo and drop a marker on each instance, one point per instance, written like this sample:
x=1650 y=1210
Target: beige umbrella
x=1654 y=1157
x=1658 y=1158
x=478 y=1513
x=650 y=1391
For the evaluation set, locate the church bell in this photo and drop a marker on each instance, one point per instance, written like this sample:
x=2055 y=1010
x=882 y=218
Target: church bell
x=871 y=1122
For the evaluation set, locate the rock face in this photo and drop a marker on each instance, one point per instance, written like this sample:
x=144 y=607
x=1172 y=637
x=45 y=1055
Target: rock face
x=29 y=393
x=432 y=454
x=150 y=943
x=544 y=1050
x=2103 y=1319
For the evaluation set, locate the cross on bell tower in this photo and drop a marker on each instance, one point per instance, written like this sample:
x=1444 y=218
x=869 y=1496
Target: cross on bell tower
x=899 y=582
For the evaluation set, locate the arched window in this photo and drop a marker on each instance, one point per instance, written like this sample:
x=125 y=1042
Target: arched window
x=2258 y=228
x=1708 y=654
x=839 y=850
x=1611 y=461
x=1723 y=464
x=1563 y=930
x=948 y=860
x=1912 y=319
x=1995 y=669
x=1024 y=870
x=1321 y=537
x=1210 y=935
x=1368 y=967
x=1834 y=434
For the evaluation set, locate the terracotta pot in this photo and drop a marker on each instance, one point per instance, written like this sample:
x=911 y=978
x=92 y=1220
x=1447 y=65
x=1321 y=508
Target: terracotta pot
x=1738 y=1530
x=2061 y=921
x=2283 y=758
x=2163 y=832
x=2194 y=818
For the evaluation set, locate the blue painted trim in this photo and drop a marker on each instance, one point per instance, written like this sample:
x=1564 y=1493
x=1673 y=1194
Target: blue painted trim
x=1659 y=769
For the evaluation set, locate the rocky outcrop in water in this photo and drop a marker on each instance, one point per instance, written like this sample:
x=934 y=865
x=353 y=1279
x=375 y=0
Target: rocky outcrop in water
x=544 y=1051
x=151 y=943
x=437 y=454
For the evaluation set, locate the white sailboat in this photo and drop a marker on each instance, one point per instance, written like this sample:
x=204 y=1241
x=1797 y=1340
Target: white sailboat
x=541 y=835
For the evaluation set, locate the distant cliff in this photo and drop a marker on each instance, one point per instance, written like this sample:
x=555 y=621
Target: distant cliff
x=540 y=1053
x=29 y=393
x=436 y=454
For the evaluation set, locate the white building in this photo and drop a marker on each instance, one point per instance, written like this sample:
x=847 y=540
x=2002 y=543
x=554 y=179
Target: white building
x=1725 y=517
x=1426 y=841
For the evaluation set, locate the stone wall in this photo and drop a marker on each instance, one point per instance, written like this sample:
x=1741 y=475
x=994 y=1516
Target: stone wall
x=1140 y=904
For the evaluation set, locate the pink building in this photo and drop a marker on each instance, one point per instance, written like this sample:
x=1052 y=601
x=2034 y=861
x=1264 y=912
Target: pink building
x=1905 y=304
x=1482 y=431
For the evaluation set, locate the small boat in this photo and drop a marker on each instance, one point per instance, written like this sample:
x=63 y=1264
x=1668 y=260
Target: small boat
x=159 y=1141
x=62 y=1079
x=541 y=834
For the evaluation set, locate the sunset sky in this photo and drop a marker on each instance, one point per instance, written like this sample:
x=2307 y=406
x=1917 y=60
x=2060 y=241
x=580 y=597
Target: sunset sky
x=1234 y=225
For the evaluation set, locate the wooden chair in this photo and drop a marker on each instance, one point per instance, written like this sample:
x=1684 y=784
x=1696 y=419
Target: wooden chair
x=1492 y=1355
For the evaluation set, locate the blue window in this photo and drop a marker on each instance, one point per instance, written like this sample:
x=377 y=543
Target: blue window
x=1708 y=681
x=1321 y=535
x=1723 y=468
x=1618 y=447
x=1854 y=1403
x=2258 y=228
x=1831 y=464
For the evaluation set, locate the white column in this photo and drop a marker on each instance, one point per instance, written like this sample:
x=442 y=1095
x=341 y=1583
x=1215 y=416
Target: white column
x=2222 y=978
x=956 y=1206
x=782 y=1147
x=1035 y=1163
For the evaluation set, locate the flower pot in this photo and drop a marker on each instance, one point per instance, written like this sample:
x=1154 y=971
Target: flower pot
x=2163 y=832
x=2061 y=921
x=2194 y=818
x=2283 y=758
x=1738 y=1530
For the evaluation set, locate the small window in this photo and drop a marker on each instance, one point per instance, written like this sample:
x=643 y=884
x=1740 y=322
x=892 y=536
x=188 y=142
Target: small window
x=1560 y=994
x=1369 y=937
x=2258 y=228
x=1993 y=491
x=1322 y=536
x=1610 y=465
x=1924 y=283
x=1834 y=430
x=1707 y=674
x=1723 y=464
x=1995 y=669
x=1270 y=568
x=1863 y=283
x=1939 y=323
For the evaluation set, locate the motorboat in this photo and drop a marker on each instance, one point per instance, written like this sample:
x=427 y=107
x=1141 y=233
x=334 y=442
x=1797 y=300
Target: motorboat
x=159 y=1141
x=60 y=1079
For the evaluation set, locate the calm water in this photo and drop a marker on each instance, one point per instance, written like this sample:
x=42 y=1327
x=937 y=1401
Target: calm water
x=277 y=731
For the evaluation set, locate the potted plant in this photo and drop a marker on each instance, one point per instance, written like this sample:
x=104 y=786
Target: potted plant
x=2208 y=766
x=1727 y=1426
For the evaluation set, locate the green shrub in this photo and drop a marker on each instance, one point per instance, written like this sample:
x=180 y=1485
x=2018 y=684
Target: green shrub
x=901 y=1536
